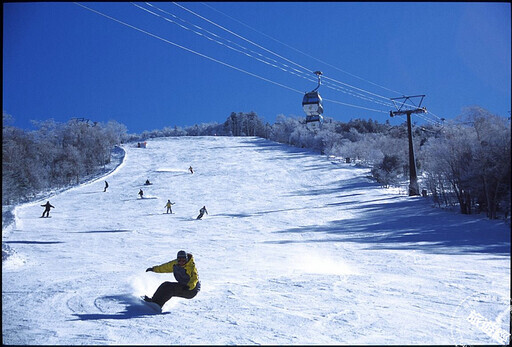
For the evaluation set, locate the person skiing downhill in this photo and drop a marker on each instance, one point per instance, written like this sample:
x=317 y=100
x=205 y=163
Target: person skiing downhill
x=141 y=193
x=185 y=272
x=47 y=207
x=168 y=205
x=106 y=186
x=191 y=170
x=202 y=211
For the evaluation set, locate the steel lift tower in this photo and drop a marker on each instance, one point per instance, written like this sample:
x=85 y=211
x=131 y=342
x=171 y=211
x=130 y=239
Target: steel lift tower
x=413 y=178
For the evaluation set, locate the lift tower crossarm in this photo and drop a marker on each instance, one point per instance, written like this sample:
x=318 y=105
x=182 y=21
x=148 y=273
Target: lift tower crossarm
x=398 y=113
x=407 y=98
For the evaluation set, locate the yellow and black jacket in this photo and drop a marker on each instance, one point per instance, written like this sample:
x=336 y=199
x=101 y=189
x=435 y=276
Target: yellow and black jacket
x=186 y=275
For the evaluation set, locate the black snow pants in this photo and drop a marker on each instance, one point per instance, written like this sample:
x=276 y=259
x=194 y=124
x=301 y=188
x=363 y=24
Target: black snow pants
x=169 y=289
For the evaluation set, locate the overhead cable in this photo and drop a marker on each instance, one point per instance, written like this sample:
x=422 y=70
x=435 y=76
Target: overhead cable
x=326 y=77
x=241 y=37
x=364 y=108
x=267 y=50
x=307 y=77
x=301 y=52
x=231 y=42
x=216 y=60
x=335 y=87
x=188 y=49
x=217 y=41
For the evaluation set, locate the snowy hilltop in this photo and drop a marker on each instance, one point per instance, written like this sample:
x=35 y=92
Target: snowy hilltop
x=295 y=248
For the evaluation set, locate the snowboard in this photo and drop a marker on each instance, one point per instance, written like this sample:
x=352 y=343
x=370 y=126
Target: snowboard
x=153 y=305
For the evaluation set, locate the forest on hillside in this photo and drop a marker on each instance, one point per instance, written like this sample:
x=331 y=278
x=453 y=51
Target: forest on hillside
x=465 y=162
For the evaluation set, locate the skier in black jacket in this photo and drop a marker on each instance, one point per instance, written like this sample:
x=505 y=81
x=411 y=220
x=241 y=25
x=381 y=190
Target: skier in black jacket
x=47 y=207
x=202 y=212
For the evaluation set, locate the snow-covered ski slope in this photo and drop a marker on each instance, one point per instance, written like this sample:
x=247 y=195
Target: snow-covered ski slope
x=296 y=249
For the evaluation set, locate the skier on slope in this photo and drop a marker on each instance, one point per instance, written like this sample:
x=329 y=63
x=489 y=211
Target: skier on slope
x=168 y=205
x=47 y=207
x=185 y=272
x=202 y=211
x=106 y=186
x=191 y=170
x=141 y=193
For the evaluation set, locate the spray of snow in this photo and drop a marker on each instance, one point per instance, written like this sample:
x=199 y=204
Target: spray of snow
x=321 y=263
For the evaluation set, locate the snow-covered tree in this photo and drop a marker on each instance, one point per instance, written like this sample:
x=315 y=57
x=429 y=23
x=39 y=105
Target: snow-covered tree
x=471 y=160
x=54 y=155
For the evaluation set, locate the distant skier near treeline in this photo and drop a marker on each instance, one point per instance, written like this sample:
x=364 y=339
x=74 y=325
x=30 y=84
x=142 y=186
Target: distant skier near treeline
x=185 y=272
x=141 y=193
x=202 y=211
x=47 y=207
x=168 y=205
x=106 y=186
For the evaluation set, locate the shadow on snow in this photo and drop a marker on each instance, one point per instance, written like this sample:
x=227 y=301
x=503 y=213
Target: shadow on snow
x=405 y=224
x=393 y=223
x=35 y=242
x=133 y=308
x=267 y=145
x=102 y=231
x=260 y=213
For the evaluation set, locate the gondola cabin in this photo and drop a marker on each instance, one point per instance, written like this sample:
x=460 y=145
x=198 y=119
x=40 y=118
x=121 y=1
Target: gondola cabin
x=312 y=106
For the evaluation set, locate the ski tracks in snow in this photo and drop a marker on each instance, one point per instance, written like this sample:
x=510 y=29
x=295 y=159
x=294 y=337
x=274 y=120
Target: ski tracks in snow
x=294 y=250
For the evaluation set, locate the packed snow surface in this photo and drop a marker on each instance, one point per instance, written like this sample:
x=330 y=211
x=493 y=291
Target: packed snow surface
x=297 y=248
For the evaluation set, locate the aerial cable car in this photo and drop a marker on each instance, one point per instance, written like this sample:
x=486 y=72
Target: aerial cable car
x=312 y=103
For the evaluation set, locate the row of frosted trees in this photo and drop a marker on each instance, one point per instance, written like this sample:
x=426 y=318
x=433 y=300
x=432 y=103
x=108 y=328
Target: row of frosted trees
x=237 y=124
x=470 y=163
x=466 y=162
x=463 y=163
x=55 y=155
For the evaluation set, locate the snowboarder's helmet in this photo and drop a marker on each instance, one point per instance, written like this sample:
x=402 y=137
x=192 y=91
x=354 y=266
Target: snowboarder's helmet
x=182 y=255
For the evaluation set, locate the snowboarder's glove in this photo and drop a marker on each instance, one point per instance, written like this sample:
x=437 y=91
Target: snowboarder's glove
x=149 y=269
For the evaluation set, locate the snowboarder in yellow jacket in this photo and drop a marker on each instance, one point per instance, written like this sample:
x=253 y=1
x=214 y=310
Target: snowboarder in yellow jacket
x=185 y=272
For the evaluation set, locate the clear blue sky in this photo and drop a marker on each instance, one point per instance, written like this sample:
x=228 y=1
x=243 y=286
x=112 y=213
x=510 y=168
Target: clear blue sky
x=61 y=60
